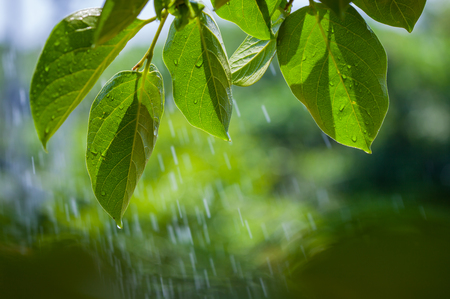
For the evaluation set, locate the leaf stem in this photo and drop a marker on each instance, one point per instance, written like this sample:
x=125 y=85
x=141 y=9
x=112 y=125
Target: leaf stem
x=148 y=21
x=149 y=55
x=289 y=4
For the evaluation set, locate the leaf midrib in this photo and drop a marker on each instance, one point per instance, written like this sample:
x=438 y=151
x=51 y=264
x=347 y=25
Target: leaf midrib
x=322 y=31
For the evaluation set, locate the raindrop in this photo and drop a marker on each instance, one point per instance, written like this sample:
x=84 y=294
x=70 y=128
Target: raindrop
x=331 y=83
x=266 y=115
x=47 y=68
x=175 y=62
x=47 y=130
x=349 y=66
x=103 y=193
x=32 y=164
x=342 y=107
x=248 y=229
x=354 y=138
x=205 y=203
x=304 y=57
x=174 y=154
x=199 y=62
x=53 y=117
x=344 y=76
x=56 y=43
x=195 y=100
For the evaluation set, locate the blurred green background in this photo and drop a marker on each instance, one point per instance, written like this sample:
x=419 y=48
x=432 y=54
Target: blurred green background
x=280 y=212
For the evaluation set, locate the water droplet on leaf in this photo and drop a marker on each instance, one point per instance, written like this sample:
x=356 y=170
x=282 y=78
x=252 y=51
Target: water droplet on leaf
x=354 y=138
x=175 y=61
x=199 y=62
x=342 y=107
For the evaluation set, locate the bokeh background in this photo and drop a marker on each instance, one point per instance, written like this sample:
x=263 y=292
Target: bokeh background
x=282 y=211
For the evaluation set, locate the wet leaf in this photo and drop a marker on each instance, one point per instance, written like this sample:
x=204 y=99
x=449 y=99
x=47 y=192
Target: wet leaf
x=250 y=61
x=198 y=65
x=116 y=16
x=337 y=69
x=252 y=16
x=69 y=67
x=397 y=13
x=123 y=127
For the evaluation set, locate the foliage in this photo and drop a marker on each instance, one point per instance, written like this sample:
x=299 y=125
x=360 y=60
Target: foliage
x=330 y=58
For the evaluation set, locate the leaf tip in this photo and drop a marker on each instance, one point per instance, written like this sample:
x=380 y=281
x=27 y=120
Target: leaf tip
x=229 y=138
x=119 y=223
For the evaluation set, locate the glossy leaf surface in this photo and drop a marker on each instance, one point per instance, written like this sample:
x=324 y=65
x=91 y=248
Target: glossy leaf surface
x=252 y=16
x=201 y=75
x=338 y=6
x=123 y=127
x=250 y=61
x=116 y=16
x=337 y=69
x=398 y=13
x=69 y=67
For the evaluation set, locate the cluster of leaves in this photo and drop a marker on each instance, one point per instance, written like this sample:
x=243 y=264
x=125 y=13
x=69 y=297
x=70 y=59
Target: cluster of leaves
x=329 y=57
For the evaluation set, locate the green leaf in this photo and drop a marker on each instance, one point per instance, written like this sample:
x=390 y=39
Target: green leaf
x=337 y=69
x=116 y=16
x=338 y=6
x=201 y=76
x=123 y=127
x=252 y=16
x=69 y=67
x=251 y=60
x=219 y=3
x=397 y=13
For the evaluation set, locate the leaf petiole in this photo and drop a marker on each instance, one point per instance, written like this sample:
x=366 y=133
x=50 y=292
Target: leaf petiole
x=149 y=55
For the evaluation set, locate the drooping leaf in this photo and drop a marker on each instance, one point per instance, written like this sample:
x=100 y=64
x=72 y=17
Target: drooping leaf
x=252 y=16
x=397 y=13
x=123 y=127
x=69 y=67
x=338 y=6
x=198 y=65
x=116 y=16
x=337 y=69
x=250 y=61
x=219 y=3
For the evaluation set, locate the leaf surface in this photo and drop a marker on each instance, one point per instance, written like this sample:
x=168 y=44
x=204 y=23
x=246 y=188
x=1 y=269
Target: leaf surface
x=219 y=3
x=338 y=6
x=252 y=16
x=198 y=65
x=250 y=61
x=337 y=69
x=123 y=127
x=69 y=67
x=397 y=13
x=116 y=16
